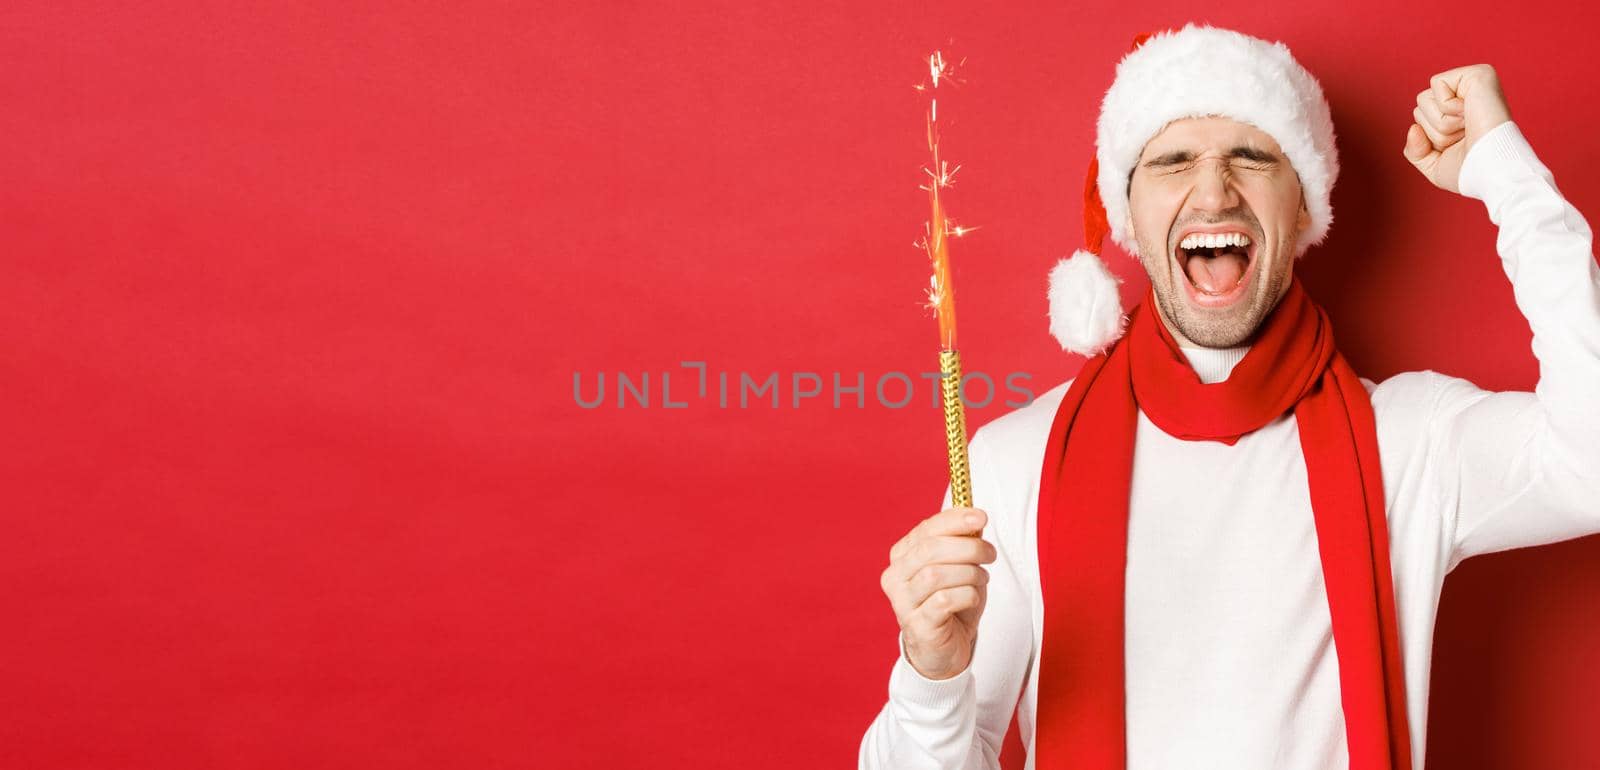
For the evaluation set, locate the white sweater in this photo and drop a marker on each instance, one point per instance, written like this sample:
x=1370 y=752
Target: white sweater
x=1229 y=643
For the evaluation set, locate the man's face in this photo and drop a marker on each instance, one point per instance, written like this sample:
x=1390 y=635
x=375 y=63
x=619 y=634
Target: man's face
x=1207 y=178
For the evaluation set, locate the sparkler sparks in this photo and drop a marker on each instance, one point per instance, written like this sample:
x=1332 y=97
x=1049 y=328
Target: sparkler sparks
x=939 y=228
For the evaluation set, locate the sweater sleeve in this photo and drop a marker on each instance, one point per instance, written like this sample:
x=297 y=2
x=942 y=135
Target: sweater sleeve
x=959 y=723
x=1524 y=468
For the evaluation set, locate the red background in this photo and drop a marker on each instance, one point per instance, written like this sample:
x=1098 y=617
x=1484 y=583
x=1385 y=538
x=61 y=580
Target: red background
x=294 y=295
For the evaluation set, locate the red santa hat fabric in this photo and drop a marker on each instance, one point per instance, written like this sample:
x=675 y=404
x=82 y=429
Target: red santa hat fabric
x=1196 y=71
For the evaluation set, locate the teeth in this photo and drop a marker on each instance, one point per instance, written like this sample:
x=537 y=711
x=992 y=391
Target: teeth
x=1213 y=240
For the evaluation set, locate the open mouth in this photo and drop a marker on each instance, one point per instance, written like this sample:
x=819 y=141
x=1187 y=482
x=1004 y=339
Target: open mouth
x=1217 y=265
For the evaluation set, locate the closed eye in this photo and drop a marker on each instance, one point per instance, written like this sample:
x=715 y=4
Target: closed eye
x=1260 y=158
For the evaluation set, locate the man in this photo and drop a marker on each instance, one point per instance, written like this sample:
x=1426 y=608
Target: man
x=1216 y=547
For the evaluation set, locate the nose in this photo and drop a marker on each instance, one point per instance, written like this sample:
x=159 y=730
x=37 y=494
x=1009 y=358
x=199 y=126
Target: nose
x=1214 y=188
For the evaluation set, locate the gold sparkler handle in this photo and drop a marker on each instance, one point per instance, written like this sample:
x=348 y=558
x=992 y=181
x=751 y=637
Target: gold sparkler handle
x=955 y=428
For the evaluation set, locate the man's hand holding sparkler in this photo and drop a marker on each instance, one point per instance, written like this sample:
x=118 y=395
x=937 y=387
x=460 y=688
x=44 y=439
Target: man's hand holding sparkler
x=935 y=579
x=938 y=588
x=1458 y=106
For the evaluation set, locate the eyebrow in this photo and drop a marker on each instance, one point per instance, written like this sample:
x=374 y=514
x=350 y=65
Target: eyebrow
x=1184 y=156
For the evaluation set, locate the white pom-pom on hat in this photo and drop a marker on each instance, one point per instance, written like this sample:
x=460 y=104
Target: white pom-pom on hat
x=1085 y=306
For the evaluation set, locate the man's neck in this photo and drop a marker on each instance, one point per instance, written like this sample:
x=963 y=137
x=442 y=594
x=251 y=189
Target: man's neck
x=1213 y=364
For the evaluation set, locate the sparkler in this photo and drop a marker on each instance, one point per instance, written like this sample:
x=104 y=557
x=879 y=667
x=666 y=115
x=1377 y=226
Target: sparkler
x=937 y=233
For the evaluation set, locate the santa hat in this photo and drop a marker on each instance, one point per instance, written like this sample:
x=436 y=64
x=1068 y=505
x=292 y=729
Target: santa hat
x=1192 y=72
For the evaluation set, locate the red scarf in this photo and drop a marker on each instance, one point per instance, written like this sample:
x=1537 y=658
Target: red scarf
x=1083 y=522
